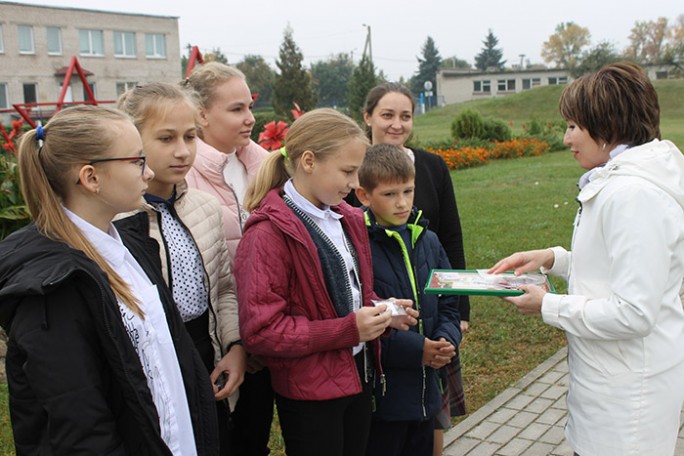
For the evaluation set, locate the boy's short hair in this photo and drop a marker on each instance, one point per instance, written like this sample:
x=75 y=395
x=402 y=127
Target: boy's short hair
x=385 y=163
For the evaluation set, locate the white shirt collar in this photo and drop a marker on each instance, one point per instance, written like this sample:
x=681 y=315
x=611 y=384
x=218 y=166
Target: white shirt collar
x=108 y=244
x=307 y=206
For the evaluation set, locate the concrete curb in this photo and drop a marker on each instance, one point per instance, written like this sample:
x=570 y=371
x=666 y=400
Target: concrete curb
x=492 y=406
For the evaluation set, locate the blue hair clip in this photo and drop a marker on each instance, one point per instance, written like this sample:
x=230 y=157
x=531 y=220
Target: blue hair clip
x=40 y=133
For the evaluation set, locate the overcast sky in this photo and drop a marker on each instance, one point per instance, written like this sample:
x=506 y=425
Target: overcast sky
x=398 y=29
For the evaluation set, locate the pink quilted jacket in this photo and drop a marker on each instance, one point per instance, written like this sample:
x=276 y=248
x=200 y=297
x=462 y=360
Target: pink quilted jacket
x=207 y=175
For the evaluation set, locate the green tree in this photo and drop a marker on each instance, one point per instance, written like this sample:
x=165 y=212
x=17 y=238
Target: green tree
x=215 y=55
x=331 y=80
x=565 y=47
x=260 y=77
x=674 y=50
x=185 y=58
x=428 y=65
x=293 y=83
x=490 y=56
x=647 y=41
x=596 y=57
x=455 y=63
x=363 y=79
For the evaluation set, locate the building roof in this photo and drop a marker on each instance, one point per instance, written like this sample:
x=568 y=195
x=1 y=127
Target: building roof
x=70 y=8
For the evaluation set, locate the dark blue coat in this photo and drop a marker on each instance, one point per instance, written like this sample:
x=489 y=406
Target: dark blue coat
x=413 y=391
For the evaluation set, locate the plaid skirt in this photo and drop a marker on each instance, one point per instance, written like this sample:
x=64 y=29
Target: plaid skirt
x=453 y=397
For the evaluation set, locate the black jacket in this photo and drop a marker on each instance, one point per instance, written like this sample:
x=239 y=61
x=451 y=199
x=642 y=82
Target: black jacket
x=413 y=392
x=434 y=196
x=75 y=381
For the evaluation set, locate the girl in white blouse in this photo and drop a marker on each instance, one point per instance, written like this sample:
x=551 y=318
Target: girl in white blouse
x=97 y=359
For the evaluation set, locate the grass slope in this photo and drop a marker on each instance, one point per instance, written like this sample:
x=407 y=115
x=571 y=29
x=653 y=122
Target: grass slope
x=542 y=102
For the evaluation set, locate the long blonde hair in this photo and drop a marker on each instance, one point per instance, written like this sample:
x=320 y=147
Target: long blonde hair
x=73 y=137
x=204 y=79
x=154 y=101
x=322 y=131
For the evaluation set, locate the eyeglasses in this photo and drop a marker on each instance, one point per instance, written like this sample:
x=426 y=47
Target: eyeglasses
x=139 y=161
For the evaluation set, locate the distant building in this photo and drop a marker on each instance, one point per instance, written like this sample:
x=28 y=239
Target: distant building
x=116 y=50
x=455 y=86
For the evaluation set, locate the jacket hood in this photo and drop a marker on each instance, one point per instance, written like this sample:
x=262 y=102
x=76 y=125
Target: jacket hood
x=658 y=162
x=31 y=264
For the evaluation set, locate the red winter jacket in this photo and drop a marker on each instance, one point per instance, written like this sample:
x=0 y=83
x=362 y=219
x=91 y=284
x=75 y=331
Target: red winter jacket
x=286 y=314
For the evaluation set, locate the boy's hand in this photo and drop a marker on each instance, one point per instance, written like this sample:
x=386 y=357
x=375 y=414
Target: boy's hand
x=438 y=353
x=371 y=322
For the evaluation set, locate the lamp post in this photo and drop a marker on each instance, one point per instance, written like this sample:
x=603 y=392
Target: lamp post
x=428 y=93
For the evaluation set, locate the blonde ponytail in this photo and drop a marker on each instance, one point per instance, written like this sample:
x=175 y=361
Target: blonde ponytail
x=72 y=137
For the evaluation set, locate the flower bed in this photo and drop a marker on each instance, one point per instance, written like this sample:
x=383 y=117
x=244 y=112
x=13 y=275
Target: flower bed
x=468 y=157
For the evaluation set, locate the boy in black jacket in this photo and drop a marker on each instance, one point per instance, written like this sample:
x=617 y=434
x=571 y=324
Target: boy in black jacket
x=404 y=252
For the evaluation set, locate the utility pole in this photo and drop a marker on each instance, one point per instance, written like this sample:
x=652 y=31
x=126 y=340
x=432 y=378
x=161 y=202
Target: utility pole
x=367 y=48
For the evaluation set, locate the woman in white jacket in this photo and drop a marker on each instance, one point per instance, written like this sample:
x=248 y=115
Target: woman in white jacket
x=622 y=315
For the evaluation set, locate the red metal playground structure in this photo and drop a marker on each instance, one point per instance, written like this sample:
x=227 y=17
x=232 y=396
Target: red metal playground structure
x=31 y=113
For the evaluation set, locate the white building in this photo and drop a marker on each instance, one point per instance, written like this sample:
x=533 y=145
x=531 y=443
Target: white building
x=116 y=50
x=455 y=86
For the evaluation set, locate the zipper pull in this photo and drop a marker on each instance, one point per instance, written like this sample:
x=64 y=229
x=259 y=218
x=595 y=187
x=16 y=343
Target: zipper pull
x=383 y=383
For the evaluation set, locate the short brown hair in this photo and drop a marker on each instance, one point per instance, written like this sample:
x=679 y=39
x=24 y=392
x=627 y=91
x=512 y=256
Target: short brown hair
x=616 y=105
x=385 y=163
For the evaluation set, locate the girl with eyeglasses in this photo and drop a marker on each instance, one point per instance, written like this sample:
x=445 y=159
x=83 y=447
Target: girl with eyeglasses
x=98 y=360
x=187 y=224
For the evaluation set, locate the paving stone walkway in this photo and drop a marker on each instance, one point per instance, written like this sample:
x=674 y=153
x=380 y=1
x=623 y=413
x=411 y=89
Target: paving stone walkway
x=526 y=419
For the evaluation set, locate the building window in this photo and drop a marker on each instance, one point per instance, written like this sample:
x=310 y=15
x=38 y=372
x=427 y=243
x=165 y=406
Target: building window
x=68 y=94
x=2 y=42
x=505 y=85
x=91 y=42
x=558 y=80
x=85 y=92
x=122 y=87
x=530 y=83
x=54 y=40
x=30 y=93
x=25 y=37
x=124 y=44
x=4 y=96
x=155 y=45
x=482 y=86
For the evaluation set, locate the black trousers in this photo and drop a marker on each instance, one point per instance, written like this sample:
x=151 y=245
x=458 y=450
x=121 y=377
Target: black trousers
x=199 y=332
x=253 y=415
x=401 y=438
x=335 y=427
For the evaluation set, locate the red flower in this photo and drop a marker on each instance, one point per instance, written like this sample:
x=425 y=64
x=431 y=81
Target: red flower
x=296 y=113
x=273 y=135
